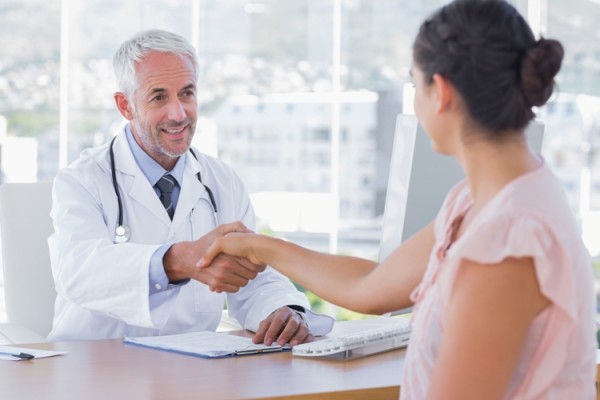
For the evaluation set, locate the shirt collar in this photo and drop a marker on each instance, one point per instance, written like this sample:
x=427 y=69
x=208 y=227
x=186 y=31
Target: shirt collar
x=150 y=168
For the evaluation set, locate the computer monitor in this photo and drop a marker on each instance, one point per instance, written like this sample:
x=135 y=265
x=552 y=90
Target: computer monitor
x=419 y=180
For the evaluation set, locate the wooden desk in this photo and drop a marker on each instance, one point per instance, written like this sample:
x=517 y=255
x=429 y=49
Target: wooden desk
x=112 y=370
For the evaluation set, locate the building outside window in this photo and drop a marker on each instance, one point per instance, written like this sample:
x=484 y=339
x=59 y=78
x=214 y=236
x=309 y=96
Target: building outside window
x=299 y=96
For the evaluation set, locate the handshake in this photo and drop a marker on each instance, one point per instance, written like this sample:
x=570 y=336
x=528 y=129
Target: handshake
x=222 y=259
x=225 y=260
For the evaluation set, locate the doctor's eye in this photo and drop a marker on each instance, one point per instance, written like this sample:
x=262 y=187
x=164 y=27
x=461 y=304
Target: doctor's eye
x=188 y=94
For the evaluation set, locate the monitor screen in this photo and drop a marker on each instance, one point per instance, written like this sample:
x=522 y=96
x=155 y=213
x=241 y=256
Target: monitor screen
x=419 y=180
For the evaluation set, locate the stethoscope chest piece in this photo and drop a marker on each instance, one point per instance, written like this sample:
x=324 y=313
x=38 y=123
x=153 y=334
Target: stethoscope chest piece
x=122 y=234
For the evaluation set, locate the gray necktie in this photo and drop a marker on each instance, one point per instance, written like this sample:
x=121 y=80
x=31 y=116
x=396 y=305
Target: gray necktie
x=165 y=186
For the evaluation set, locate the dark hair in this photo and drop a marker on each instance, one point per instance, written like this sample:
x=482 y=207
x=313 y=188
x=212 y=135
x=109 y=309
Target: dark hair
x=489 y=53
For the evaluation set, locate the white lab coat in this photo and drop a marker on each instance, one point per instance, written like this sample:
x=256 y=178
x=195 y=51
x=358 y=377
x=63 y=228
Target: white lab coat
x=103 y=287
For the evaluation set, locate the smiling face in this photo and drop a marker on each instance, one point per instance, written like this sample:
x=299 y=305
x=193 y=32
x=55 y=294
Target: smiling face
x=163 y=110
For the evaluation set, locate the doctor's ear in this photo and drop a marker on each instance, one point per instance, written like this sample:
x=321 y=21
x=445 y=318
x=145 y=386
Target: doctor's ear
x=123 y=105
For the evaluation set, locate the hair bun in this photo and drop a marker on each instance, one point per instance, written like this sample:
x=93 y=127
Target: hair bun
x=539 y=66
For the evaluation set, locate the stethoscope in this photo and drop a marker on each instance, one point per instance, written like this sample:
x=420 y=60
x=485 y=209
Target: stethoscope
x=122 y=231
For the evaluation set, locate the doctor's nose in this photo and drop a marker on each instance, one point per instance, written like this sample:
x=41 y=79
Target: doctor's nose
x=176 y=111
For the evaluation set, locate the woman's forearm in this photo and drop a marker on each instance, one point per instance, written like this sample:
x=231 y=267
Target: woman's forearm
x=337 y=279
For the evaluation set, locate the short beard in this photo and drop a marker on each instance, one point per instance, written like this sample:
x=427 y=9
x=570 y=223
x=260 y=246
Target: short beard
x=154 y=146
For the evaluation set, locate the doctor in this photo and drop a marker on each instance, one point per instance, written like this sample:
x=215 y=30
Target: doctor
x=132 y=217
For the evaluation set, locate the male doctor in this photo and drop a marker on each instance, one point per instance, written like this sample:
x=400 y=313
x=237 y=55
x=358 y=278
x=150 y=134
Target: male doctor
x=132 y=218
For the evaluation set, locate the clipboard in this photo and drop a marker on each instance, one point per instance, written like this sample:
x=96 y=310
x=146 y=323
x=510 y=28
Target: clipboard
x=205 y=344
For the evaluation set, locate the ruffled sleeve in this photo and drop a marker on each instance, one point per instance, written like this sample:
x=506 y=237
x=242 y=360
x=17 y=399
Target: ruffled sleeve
x=520 y=236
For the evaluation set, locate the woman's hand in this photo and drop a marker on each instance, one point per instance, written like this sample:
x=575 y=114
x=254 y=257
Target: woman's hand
x=241 y=245
x=226 y=273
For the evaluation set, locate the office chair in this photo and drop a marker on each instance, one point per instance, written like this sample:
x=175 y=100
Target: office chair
x=29 y=293
x=25 y=226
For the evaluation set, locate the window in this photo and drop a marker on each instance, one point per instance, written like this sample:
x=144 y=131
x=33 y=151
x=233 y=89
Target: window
x=299 y=96
x=573 y=120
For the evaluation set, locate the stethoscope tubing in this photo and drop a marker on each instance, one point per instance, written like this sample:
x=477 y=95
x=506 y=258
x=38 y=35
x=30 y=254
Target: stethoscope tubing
x=122 y=232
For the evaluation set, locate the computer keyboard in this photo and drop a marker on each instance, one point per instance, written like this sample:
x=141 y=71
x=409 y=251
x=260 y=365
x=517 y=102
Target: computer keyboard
x=358 y=344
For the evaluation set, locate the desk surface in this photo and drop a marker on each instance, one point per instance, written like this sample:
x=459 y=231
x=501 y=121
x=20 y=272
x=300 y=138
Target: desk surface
x=110 y=369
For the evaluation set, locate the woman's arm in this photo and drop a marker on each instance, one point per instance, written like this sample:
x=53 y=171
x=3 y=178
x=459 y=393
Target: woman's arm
x=351 y=282
x=490 y=310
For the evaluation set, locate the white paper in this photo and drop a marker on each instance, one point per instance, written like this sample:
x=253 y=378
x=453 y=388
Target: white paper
x=597 y=356
x=204 y=344
x=6 y=351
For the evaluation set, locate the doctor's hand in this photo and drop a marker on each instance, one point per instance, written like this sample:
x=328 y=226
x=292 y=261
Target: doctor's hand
x=283 y=325
x=225 y=274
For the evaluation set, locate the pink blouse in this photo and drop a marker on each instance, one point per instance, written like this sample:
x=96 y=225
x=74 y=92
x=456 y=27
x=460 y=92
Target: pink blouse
x=529 y=217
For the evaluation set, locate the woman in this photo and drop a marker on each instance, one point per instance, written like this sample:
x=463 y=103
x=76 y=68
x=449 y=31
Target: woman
x=501 y=282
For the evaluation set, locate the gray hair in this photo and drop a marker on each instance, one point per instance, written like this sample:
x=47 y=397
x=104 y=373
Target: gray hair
x=140 y=45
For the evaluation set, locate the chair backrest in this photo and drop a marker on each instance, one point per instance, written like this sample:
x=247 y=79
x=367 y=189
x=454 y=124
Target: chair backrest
x=25 y=226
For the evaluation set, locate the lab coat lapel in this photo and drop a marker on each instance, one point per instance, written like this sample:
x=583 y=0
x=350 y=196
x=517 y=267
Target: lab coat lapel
x=191 y=191
x=134 y=183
